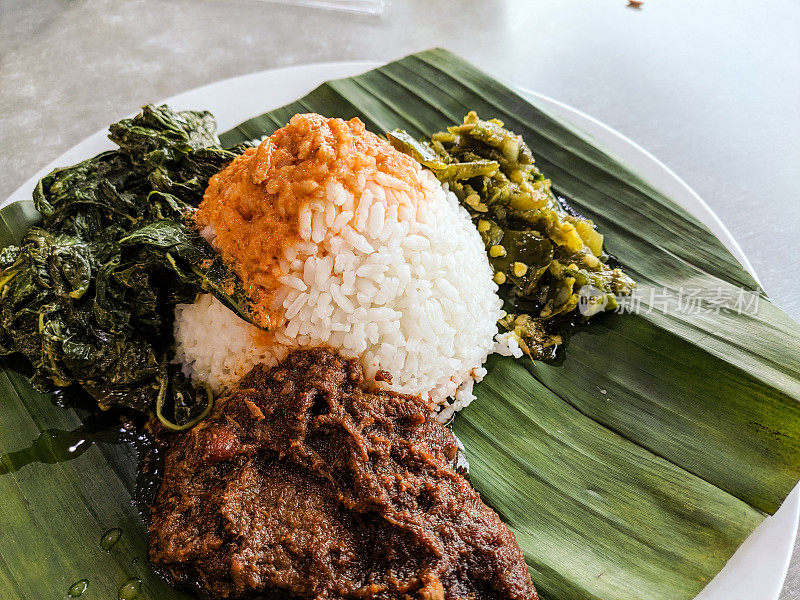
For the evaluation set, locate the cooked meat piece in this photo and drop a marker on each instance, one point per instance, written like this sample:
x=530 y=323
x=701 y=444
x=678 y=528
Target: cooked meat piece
x=303 y=484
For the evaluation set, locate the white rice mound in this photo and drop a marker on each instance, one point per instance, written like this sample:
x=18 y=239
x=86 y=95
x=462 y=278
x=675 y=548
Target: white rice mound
x=409 y=293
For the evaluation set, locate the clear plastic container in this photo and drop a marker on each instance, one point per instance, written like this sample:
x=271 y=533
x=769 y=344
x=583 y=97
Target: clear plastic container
x=370 y=7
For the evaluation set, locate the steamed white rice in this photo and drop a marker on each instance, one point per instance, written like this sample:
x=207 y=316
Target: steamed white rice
x=407 y=289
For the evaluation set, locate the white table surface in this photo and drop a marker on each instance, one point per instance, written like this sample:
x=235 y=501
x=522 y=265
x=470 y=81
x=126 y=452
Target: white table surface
x=711 y=88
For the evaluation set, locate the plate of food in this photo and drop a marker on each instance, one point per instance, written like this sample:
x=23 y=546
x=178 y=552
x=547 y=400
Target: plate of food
x=414 y=335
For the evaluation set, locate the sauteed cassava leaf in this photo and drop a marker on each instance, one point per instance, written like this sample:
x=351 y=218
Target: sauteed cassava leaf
x=88 y=293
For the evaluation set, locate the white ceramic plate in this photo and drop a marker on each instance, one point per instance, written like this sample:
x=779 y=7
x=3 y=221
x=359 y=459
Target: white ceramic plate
x=757 y=570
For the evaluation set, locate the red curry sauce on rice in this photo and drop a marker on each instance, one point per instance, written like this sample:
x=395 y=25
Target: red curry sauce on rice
x=253 y=208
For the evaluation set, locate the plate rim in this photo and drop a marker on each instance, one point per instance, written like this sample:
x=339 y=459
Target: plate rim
x=646 y=162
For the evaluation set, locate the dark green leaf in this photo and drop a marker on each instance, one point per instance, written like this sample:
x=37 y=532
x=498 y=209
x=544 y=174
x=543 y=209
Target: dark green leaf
x=714 y=393
x=88 y=295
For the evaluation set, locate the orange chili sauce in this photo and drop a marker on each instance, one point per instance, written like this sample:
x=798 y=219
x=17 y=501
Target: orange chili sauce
x=253 y=204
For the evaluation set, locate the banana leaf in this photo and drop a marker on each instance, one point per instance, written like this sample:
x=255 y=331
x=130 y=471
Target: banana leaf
x=631 y=468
